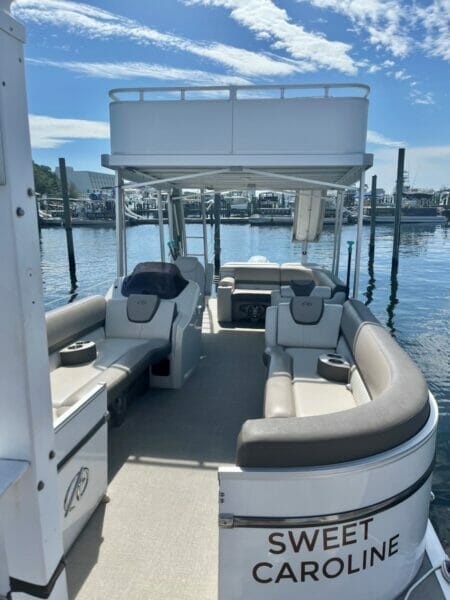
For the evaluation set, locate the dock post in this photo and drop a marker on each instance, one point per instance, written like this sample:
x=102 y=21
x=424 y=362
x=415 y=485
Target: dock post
x=217 y=209
x=373 y=208
x=68 y=223
x=398 y=206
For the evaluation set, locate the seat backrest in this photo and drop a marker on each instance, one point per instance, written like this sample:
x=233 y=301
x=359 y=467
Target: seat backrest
x=293 y=272
x=119 y=325
x=252 y=273
x=319 y=329
x=192 y=270
x=74 y=320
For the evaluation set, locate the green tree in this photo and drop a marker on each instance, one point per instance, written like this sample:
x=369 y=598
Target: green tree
x=45 y=181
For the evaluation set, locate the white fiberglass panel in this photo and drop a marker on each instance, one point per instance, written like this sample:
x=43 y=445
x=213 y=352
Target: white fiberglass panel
x=300 y=126
x=294 y=126
x=171 y=127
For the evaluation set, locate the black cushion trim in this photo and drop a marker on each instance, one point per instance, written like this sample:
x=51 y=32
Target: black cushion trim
x=306 y=310
x=302 y=287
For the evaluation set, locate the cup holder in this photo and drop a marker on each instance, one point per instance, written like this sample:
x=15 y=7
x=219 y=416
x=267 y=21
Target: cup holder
x=78 y=353
x=333 y=367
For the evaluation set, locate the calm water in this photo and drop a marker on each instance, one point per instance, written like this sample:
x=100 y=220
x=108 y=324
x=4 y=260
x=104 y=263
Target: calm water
x=416 y=306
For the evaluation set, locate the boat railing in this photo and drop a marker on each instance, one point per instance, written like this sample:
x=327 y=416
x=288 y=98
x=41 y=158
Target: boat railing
x=235 y=92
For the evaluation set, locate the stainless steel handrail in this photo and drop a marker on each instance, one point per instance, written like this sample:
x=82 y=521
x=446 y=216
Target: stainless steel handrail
x=233 y=90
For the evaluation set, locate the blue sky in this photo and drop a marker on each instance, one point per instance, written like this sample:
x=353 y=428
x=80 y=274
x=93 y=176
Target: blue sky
x=77 y=51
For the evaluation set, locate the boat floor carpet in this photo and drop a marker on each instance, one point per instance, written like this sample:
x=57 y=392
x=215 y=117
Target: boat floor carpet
x=157 y=538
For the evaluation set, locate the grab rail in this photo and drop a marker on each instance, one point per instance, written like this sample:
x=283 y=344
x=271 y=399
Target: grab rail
x=233 y=90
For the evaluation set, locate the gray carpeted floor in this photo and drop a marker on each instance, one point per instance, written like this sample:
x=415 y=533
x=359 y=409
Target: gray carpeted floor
x=157 y=538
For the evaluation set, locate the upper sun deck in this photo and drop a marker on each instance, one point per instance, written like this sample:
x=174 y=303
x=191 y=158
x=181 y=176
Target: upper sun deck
x=313 y=132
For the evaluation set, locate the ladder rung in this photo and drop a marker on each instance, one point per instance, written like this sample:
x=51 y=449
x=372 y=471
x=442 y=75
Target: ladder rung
x=195 y=254
x=194 y=237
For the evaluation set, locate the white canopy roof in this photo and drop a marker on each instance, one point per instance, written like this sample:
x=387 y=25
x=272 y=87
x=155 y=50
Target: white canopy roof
x=246 y=138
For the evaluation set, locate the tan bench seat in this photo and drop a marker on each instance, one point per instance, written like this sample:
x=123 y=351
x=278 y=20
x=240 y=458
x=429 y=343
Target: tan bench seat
x=309 y=420
x=118 y=359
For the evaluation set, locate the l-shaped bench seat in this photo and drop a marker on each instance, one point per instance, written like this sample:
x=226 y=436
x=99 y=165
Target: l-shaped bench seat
x=266 y=284
x=120 y=359
x=311 y=419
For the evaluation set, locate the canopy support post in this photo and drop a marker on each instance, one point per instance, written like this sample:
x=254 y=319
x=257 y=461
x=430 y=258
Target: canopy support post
x=121 y=248
x=204 y=228
x=338 y=232
x=304 y=254
x=359 y=236
x=162 y=244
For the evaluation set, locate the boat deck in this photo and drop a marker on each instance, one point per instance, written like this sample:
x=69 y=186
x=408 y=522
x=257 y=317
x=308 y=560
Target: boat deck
x=157 y=538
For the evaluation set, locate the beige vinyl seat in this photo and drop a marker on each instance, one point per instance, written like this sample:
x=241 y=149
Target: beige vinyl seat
x=120 y=360
x=265 y=284
x=381 y=400
x=294 y=388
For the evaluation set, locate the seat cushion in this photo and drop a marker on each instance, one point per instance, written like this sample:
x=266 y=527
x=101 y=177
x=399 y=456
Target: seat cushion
x=118 y=362
x=304 y=361
x=324 y=334
x=321 y=397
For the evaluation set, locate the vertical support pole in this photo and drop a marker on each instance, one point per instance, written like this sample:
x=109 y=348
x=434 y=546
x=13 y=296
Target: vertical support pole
x=304 y=254
x=120 y=226
x=338 y=232
x=373 y=216
x=398 y=206
x=204 y=228
x=31 y=520
x=68 y=223
x=359 y=236
x=217 y=209
x=162 y=243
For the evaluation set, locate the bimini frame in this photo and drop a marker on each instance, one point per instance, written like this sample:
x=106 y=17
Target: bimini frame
x=120 y=187
x=280 y=137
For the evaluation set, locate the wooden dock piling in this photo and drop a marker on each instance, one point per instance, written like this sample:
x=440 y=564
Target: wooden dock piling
x=217 y=209
x=398 y=206
x=373 y=209
x=67 y=220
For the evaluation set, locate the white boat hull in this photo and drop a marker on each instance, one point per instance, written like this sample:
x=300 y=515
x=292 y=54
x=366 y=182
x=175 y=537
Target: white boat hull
x=353 y=530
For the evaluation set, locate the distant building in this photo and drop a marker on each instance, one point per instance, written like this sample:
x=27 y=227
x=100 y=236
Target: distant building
x=88 y=182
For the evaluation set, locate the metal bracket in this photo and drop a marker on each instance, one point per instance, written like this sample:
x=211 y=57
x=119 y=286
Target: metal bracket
x=226 y=521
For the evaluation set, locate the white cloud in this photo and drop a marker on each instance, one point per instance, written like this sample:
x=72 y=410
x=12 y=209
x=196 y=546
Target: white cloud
x=382 y=20
x=269 y=21
x=427 y=166
x=419 y=97
x=380 y=140
x=52 y=132
x=92 y=22
x=402 y=75
x=435 y=18
x=130 y=70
